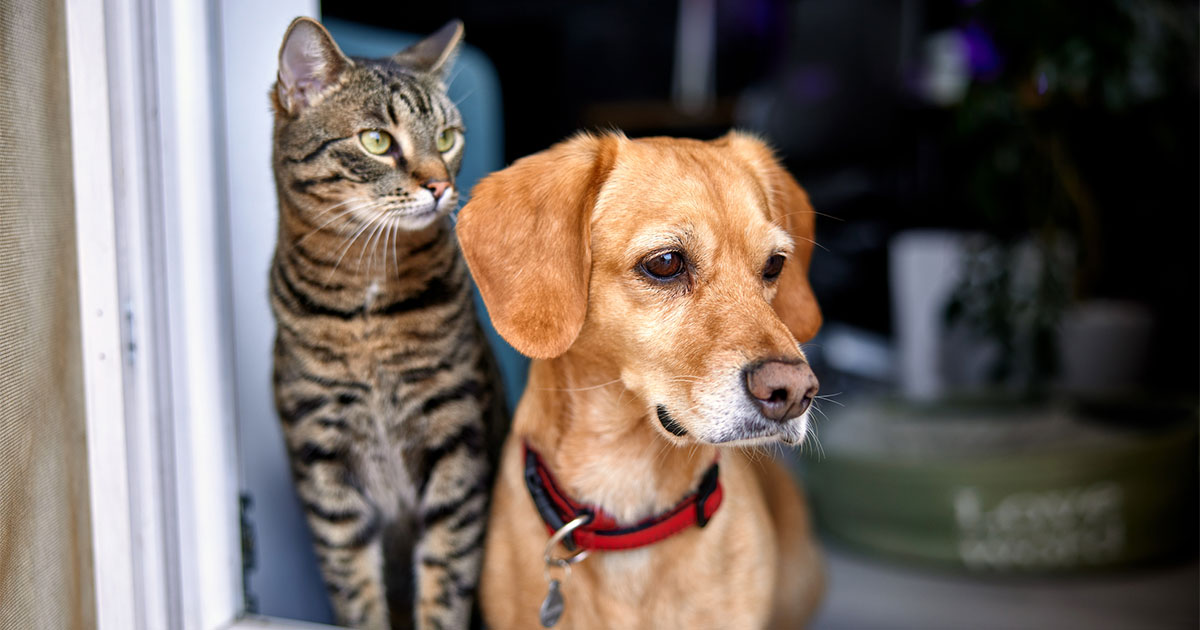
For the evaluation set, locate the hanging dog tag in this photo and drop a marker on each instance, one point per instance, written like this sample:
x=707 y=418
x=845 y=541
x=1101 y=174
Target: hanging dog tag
x=552 y=606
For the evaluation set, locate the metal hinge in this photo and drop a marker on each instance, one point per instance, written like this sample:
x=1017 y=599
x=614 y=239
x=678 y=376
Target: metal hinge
x=130 y=332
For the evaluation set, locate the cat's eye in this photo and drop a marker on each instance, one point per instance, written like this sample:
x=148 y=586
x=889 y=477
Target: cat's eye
x=447 y=139
x=664 y=266
x=773 y=267
x=375 y=141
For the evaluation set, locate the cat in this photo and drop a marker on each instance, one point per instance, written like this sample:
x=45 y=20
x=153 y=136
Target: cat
x=383 y=380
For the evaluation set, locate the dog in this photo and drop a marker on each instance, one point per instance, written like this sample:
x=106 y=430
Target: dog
x=661 y=287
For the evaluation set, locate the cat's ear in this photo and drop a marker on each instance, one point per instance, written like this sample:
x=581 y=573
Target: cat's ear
x=434 y=54
x=310 y=63
x=525 y=235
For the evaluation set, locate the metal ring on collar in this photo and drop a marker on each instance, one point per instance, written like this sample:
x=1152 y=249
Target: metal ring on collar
x=559 y=535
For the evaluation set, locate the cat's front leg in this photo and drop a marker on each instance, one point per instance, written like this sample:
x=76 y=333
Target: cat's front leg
x=346 y=528
x=453 y=517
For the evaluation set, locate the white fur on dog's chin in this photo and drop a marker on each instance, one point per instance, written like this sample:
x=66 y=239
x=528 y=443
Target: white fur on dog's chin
x=791 y=433
x=723 y=414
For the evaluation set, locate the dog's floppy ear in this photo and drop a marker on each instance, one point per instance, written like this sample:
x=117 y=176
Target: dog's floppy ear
x=794 y=302
x=525 y=235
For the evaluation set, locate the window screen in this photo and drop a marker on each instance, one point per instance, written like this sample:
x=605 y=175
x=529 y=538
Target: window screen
x=45 y=537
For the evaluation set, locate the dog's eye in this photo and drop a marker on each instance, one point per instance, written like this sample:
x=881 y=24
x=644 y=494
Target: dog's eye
x=774 y=267
x=664 y=266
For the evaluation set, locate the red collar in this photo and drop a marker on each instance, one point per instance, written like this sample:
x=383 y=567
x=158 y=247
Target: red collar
x=603 y=532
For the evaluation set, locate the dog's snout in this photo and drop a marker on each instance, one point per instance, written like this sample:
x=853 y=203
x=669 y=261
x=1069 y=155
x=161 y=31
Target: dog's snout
x=780 y=390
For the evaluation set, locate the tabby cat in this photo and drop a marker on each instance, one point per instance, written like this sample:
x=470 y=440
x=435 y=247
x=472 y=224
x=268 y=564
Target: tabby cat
x=383 y=380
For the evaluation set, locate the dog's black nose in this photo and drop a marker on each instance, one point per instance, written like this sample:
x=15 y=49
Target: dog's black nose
x=781 y=391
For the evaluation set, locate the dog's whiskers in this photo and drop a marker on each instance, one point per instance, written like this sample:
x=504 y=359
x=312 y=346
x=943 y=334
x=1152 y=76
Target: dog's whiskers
x=684 y=379
x=829 y=398
x=805 y=238
x=816 y=448
x=580 y=389
x=661 y=455
x=820 y=214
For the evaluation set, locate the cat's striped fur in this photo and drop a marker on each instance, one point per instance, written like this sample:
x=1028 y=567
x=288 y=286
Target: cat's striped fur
x=382 y=377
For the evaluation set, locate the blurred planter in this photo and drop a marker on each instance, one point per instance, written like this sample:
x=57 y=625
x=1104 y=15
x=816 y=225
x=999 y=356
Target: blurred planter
x=1103 y=345
x=1003 y=488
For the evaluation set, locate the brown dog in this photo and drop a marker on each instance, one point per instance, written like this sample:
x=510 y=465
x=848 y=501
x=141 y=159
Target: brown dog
x=661 y=287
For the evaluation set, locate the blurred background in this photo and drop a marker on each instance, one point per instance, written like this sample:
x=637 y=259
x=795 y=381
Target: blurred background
x=1007 y=265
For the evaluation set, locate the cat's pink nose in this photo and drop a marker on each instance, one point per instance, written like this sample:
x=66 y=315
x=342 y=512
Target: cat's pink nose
x=437 y=187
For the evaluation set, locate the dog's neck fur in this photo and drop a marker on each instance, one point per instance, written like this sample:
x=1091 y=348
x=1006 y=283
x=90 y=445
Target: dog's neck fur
x=600 y=441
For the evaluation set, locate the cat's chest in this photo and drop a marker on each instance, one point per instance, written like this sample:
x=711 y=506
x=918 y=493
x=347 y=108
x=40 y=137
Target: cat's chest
x=379 y=325
x=371 y=295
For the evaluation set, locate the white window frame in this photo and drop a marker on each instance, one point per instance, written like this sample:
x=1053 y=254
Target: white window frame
x=150 y=173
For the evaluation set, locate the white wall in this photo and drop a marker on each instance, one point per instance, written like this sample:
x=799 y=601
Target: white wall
x=284 y=581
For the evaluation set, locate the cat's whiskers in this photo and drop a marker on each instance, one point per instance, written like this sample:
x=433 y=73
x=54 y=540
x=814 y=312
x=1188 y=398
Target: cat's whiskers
x=339 y=204
x=380 y=222
x=381 y=246
x=346 y=249
x=370 y=246
x=464 y=98
x=375 y=223
x=387 y=244
x=458 y=70
x=365 y=206
x=395 y=259
x=391 y=242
